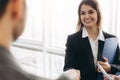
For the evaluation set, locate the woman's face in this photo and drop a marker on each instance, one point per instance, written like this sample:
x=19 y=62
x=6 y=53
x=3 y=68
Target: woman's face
x=88 y=16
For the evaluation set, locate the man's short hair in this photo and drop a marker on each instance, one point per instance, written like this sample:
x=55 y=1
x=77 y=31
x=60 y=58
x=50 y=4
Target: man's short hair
x=3 y=4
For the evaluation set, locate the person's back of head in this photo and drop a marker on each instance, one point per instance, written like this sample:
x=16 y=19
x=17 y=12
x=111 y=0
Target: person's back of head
x=12 y=14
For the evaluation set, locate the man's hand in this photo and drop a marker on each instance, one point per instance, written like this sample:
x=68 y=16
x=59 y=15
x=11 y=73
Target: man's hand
x=105 y=65
x=73 y=74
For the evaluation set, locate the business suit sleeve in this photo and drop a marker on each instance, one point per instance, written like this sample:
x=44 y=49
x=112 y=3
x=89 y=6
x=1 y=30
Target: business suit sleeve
x=63 y=77
x=115 y=67
x=70 y=56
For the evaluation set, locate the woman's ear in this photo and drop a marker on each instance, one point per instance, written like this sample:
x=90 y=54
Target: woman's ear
x=17 y=6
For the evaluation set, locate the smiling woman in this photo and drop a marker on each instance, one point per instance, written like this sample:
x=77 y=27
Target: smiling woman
x=88 y=16
x=85 y=11
x=84 y=48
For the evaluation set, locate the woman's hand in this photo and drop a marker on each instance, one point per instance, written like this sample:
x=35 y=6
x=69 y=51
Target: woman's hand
x=113 y=77
x=105 y=65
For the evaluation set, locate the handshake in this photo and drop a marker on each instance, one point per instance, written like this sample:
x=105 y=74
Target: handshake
x=103 y=66
x=71 y=74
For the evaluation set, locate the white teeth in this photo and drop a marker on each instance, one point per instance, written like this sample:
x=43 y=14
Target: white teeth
x=87 y=21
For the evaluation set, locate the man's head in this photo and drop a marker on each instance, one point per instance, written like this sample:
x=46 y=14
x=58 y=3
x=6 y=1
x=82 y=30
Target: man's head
x=3 y=4
x=12 y=17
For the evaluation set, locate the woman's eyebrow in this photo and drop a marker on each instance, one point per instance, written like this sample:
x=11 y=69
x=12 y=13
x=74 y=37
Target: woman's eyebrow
x=88 y=10
x=91 y=10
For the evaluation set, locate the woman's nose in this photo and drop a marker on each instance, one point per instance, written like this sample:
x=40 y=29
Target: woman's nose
x=87 y=15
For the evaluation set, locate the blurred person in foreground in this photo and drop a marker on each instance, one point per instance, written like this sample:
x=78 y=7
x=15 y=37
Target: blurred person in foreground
x=12 y=19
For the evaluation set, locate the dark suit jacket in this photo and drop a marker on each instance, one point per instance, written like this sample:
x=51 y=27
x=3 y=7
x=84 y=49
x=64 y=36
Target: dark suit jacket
x=9 y=70
x=79 y=56
x=64 y=77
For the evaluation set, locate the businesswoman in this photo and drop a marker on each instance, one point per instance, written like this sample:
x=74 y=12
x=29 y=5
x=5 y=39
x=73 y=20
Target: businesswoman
x=84 y=48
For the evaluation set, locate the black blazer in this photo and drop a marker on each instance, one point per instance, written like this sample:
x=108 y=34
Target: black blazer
x=79 y=56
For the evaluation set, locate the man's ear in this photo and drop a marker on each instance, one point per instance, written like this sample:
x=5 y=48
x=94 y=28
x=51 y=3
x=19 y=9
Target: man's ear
x=17 y=6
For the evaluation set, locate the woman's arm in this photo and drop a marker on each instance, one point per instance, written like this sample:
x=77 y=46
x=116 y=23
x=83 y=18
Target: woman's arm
x=115 y=67
x=70 y=57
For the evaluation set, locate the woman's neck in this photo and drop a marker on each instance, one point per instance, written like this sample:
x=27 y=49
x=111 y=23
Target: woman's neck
x=93 y=32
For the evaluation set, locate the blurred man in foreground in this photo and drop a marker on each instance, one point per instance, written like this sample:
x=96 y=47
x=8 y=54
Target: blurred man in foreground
x=12 y=18
x=12 y=14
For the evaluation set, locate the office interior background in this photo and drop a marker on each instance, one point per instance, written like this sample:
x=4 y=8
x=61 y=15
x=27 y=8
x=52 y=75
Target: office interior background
x=41 y=48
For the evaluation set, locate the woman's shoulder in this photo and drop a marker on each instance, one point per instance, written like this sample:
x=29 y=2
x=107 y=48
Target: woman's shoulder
x=74 y=38
x=108 y=35
x=75 y=35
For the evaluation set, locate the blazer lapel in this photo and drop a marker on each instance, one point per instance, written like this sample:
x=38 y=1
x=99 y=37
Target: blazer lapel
x=88 y=53
x=100 y=50
x=85 y=46
x=87 y=49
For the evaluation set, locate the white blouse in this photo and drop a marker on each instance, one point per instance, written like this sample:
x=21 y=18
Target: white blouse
x=93 y=43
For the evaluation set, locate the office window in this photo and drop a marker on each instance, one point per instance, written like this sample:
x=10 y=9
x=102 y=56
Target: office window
x=63 y=21
x=118 y=19
x=31 y=61
x=34 y=24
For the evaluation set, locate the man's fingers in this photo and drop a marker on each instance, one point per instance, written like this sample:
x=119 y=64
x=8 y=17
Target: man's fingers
x=78 y=71
x=73 y=74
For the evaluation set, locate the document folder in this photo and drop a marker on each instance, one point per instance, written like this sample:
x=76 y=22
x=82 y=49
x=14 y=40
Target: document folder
x=109 y=49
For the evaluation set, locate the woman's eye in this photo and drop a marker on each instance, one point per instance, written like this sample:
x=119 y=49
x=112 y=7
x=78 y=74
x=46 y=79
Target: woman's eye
x=82 y=13
x=91 y=12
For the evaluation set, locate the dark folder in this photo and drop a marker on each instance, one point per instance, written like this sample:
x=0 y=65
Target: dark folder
x=109 y=49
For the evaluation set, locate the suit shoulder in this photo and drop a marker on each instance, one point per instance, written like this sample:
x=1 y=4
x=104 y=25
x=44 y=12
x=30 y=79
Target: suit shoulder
x=108 y=35
x=75 y=35
x=64 y=77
